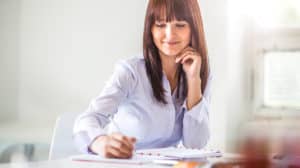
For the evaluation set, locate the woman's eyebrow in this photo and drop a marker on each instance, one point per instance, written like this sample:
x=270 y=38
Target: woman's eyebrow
x=181 y=21
x=160 y=18
x=160 y=21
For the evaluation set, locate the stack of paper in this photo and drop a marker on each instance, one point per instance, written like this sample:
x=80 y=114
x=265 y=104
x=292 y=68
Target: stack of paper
x=153 y=155
x=179 y=153
x=97 y=158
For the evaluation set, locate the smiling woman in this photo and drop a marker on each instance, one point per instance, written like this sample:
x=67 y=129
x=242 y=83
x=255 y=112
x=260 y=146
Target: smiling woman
x=159 y=100
x=171 y=37
x=173 y=21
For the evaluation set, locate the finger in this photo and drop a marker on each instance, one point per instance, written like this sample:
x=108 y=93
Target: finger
x=123 y=151
x=128 y=144
x=123 y=139
x=123 y=143
x=117 y=153
x=107 y=154
x=194 y=53
x=184 y=50
x=179 y=59
x=132 y=139
x=121 y=146
x=191 y=49
x=188 y=58
x=188 y=48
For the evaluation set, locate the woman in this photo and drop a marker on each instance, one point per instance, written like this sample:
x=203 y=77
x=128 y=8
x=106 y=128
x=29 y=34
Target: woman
x=159 y=100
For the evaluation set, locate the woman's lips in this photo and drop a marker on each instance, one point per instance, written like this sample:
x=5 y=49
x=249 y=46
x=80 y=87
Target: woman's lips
x=172 y=42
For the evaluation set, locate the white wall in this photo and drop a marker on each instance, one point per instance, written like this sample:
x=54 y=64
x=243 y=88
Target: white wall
x=9 y=59
x=241 y=44
x=67 y=50
x=216 y=27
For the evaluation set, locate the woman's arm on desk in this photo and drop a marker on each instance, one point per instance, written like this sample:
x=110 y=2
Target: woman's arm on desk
x=89 y=126
x=196 y=120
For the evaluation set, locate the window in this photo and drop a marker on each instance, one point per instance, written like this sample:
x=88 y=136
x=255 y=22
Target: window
x=276 y=53
x=282 y=79
x=277 y=72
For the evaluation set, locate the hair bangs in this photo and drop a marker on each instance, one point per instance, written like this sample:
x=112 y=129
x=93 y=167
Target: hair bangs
x=169 y=10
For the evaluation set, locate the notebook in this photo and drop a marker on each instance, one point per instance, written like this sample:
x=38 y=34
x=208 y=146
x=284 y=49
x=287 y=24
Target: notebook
x=97 y=158
x=155 y=155
x=179 y=153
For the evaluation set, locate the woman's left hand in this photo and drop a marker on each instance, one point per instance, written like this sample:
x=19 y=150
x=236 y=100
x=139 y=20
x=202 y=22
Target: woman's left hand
x=191 y=62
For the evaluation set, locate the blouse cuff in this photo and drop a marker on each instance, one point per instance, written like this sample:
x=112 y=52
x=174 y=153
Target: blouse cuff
x=84 y=139
x=198 y=111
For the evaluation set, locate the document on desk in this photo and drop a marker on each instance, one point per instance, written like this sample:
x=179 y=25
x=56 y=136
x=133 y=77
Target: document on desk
x=179 y=153
x=155 y=155
x=97 y=158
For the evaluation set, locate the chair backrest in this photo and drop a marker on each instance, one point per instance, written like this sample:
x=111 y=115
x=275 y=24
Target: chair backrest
x=62 y=145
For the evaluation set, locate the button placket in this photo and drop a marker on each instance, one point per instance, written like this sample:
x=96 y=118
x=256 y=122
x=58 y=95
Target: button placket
x=170 y=106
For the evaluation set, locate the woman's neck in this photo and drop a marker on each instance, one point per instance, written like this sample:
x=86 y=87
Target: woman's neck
x=169 y=68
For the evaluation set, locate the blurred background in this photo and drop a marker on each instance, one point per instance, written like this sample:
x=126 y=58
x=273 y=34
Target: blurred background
x=56 y=55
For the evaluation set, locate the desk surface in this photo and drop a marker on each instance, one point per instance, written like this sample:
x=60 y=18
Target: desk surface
x=67 y=163
x=75 y=164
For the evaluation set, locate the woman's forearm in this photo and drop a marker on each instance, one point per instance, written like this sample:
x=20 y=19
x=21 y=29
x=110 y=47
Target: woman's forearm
x=194 y=94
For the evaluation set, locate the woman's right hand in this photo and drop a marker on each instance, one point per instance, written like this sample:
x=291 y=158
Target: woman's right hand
x=114 y=145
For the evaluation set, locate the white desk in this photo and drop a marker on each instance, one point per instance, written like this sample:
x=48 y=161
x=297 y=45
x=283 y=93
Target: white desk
x=75 y=164
x=67 y=163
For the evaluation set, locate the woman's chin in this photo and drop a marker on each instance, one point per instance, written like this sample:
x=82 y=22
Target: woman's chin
x=171 y=54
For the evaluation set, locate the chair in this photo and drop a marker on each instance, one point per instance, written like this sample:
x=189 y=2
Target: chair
x=62 y=145
x=8 y=150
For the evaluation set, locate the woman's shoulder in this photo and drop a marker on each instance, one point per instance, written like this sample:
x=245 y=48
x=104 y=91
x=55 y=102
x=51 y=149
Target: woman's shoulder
x=134 y=60
x=134 y=64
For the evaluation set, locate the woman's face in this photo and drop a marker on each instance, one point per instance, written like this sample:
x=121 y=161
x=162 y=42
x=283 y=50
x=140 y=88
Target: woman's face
x=171 y=37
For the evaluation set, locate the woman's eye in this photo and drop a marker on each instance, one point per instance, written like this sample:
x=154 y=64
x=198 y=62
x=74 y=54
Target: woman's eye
x=180 y=25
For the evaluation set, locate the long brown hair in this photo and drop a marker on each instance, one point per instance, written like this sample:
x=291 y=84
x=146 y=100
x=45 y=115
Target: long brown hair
x=189 y=11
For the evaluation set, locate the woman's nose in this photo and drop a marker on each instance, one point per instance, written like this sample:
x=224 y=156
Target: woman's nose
x=169 y=31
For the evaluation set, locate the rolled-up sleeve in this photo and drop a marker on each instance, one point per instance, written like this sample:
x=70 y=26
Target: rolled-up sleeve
x=196 y=121
x=92 y=123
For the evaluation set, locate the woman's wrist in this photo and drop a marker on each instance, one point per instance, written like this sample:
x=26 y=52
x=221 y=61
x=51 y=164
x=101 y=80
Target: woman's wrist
x=95 y=143
x=194 y=95
x=191 y=102
x=194 y=80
